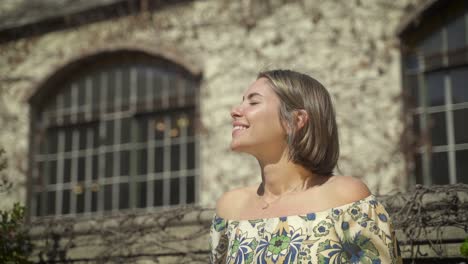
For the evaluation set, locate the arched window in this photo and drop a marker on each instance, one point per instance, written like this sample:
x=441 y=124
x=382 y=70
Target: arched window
x=435 y=80
x=114 y=132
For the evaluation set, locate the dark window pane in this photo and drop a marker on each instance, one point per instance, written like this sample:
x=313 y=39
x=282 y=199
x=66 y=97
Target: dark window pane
x=81 y=88
x=439 y=168
x=459 y=79
x=68 y=139
x=433 y=43
x=96 y=89
x=38 y=179
x=191 y=155
x=67 y=118
x=462 y=166
x=456 y=33
x=80 y=201
x=142 y=161
x=125 y=163
x=52 y=104
x=125 y=128
x=141 y=85
x=175 y=187
x=111 y=89
x=435 y=89
x=156 y=83
x=142 y=130
x=40 y=173
x=67 y=101
x=158 y=192
x=190 y=124
x=172 y=84
x=158 y=159
x=175 y=157
x=81 y=168
x=38 y=197
x=94 y=201
x=418 y=173
x=125 y=93
x=67 y=170
x=50 y=202
x=82 y=131
x=95 y=169
x=44 y=172
x=411 y=86
x=190 y=189
x=460 y=119
x=109 y=172
x=124 y=196
x=141 y=203
x=109 y=135
x=42 y=140
x=107 y=197
x=416 y=129
x=66 y=202
x=52 y=141
x=52 y=172
x=96 y=136
x=432 y=50
x=437 y=129
x=411 y=62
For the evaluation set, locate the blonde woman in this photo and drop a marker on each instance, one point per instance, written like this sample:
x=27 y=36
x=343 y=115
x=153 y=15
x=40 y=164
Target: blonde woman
x=300 y=212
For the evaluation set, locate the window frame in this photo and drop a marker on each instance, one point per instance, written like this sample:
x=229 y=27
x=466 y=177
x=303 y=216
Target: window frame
x=444 y=63
x=90 y=64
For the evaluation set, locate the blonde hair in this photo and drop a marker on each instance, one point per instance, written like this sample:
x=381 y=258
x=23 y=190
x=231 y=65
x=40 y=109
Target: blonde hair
x=315 y=146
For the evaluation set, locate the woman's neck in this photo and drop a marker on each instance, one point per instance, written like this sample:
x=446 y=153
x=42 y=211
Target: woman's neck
x=285 y=176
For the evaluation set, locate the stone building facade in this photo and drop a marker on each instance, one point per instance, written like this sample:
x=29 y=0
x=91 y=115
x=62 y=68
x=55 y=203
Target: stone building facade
x=211 y=51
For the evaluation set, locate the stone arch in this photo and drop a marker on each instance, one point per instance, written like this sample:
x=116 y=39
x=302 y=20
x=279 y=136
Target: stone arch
x=163 y=54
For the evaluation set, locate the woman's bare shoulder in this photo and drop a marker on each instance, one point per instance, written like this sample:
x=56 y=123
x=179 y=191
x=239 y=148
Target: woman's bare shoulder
x=231 y=203
x=346 y=189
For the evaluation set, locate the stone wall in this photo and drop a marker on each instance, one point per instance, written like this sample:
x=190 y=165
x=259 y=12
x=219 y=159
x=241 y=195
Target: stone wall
x=350 y=46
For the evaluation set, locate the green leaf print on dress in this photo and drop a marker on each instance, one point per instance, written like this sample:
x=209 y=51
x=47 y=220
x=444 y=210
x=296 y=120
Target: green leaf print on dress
x=354 y=250
x=242 y=249
x=219 y=224
x=281 y=246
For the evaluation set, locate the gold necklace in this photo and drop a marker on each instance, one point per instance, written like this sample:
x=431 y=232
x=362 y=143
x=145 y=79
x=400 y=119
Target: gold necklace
x=267 y=204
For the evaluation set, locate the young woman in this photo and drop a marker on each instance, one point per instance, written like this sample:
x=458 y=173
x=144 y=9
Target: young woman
x=300 y=212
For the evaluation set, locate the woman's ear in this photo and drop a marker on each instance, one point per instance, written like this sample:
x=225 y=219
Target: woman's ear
x=301 y=118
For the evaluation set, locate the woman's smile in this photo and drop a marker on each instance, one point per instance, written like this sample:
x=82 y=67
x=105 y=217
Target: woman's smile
x=238 y=127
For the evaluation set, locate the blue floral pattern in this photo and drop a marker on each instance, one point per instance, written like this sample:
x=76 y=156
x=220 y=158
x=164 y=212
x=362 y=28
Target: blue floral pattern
x=359 y=232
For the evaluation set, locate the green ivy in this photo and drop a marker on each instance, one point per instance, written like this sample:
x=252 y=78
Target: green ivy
x=15 y=244
x=464 y=248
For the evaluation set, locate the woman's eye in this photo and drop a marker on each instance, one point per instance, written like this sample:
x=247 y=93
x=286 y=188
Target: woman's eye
x=253 y=103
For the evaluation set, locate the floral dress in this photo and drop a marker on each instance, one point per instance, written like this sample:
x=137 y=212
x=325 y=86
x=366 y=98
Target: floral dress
x=359 y=232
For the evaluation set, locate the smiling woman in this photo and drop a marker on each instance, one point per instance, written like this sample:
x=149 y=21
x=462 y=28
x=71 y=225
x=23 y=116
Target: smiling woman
x=300 y=211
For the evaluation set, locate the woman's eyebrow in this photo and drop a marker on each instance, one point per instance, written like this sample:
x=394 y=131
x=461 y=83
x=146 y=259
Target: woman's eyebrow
x=251 y=95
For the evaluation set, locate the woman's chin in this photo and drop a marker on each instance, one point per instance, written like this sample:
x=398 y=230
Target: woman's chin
x=236 y=147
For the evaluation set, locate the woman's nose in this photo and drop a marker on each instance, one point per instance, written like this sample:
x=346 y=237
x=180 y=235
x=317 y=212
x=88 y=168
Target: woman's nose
x=236 y=111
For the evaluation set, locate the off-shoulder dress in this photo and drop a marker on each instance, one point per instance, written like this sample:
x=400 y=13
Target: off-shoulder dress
x=358 y=232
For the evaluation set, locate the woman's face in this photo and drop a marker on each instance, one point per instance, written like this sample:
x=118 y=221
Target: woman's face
x=256 y=125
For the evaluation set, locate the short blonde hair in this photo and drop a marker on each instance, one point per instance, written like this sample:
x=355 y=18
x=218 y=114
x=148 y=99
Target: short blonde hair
x=315 y=146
